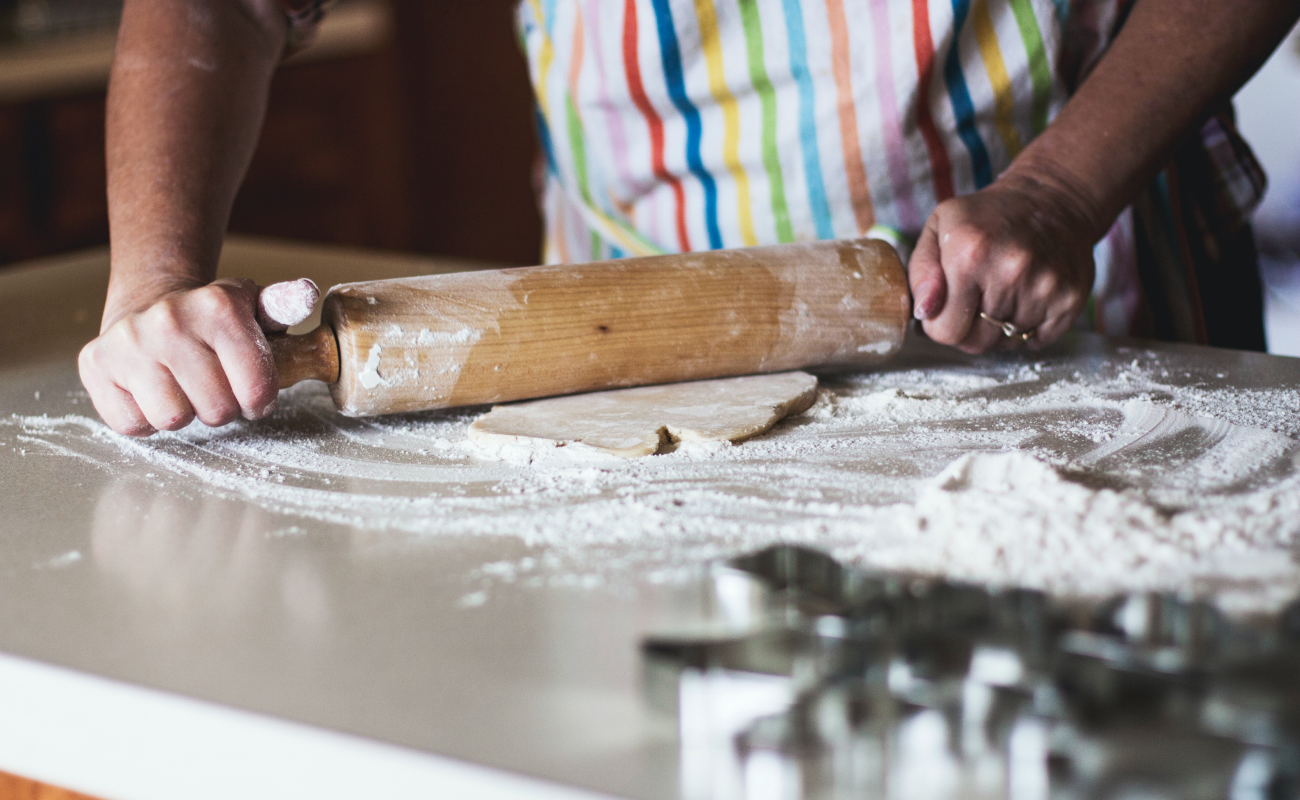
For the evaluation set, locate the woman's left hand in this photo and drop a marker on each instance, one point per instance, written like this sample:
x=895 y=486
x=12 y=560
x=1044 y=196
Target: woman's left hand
x=1019 y=250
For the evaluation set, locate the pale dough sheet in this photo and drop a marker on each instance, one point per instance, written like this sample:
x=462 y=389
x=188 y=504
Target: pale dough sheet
x=644 y=420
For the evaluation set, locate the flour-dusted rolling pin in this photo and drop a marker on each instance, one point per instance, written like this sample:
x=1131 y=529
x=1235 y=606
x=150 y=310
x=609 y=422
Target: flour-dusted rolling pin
x=498 y=335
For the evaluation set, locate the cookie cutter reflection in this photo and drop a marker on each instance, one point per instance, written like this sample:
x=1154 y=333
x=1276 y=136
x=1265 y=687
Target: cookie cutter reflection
x=843 y=683
x=204 y=555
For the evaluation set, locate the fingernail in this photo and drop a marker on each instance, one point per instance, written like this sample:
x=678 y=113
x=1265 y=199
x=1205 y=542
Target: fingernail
x=924 y=300
x=924 y=297
x=930 y=297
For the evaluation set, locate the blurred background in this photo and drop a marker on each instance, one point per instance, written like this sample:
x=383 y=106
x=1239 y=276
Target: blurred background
x=408 y=126
x=1268 y=113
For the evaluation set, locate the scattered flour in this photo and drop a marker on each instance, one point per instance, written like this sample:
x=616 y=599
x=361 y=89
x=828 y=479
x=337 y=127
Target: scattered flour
x=1010 y=473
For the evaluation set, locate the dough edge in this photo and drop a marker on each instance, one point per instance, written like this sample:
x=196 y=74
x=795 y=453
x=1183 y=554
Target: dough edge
x=664 y=438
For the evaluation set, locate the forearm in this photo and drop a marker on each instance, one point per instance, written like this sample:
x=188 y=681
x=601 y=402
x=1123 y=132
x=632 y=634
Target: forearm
x=185 y=106
x=1173 y=62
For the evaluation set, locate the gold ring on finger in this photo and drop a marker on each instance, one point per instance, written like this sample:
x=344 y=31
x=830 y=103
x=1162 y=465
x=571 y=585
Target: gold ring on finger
x=1008 y=330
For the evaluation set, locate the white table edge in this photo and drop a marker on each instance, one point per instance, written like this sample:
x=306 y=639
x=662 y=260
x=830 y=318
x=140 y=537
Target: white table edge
x=119 y=741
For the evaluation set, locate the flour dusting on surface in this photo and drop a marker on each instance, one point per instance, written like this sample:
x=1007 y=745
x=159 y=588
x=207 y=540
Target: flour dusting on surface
x=1009 y=472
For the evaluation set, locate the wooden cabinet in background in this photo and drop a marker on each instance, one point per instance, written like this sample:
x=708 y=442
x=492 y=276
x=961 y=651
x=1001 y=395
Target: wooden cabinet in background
x=52 y=177
x=472 y=147
x=329 y=166
x=425 y=144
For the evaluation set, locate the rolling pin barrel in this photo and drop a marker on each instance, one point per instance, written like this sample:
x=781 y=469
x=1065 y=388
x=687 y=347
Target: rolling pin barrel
x=498 y=335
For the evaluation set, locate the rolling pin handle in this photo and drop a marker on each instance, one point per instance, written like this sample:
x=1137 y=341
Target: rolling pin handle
x=312 y=356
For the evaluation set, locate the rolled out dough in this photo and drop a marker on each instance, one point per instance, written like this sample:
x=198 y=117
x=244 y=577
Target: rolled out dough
x=647 y=419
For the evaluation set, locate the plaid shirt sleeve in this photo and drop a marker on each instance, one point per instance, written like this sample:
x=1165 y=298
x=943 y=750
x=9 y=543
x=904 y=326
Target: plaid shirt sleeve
x=304 y=17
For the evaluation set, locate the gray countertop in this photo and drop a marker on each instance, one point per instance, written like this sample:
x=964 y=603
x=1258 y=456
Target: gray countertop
x=113 y=568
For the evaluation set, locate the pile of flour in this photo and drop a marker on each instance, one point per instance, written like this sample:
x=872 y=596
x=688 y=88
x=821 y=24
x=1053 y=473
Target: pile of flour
x=1009 y=473
x=1013 y=519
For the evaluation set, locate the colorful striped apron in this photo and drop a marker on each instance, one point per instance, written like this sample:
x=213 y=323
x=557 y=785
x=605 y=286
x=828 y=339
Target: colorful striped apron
x=674 y=125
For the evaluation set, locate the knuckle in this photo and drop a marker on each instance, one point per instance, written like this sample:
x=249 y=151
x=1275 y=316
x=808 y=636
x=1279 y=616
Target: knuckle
x=123 y=337
x=211 y=301
x=1050 y=285
x=166 y=320
x=98 y=356
x=1018 y=267
x=225 y=304
x=88 y=358
x=970 y=248
x=209 y=305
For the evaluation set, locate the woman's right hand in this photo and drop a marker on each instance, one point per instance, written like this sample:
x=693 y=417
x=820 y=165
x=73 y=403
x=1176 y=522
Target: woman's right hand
x=193 y=352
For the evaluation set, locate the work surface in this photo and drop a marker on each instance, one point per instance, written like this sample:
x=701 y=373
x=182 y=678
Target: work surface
x=387 y=579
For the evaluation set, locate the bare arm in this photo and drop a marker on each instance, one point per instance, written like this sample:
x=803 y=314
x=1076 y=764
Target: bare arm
x=1021 y=249
x=185 y=107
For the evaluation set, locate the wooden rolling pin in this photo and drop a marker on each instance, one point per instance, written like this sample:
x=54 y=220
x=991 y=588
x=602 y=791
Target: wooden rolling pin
x=493 y=336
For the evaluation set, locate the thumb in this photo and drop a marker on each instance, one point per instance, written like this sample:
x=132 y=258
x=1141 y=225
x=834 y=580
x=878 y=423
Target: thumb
x=925 y=275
